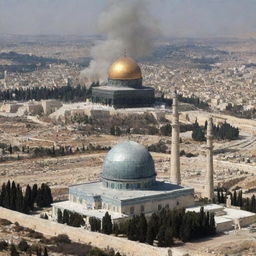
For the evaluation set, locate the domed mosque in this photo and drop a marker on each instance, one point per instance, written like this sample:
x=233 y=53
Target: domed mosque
x=128 y=187
x=124 y=87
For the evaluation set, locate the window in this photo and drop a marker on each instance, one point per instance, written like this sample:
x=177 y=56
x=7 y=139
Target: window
x=142 y=209
x=132 y=210
x=167 y=206
x=159 y=207
x=178 y=203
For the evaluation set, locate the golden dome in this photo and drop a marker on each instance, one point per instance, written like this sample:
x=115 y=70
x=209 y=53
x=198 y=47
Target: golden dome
x=124 y=68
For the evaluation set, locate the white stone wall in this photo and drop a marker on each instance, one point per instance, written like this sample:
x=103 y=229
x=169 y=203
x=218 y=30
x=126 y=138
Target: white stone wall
x=149 y=207
x=124 y=246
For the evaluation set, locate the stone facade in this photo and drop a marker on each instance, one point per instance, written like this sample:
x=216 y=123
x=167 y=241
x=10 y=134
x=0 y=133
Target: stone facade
x=123 y=97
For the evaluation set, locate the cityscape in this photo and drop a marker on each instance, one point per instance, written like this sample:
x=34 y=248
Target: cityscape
x=128 y=138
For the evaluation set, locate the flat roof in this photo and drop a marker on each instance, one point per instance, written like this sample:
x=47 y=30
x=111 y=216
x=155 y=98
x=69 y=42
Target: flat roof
x=115 y=88
x=228 y=214
x=79 y=208
x=160 y=188
x=207 y=207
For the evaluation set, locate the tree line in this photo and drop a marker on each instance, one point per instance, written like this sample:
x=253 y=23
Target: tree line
x=194 y=101
x=47 y=151
x=66 y=93
x=224 y=131
x=237 y=199
x=13 y=198
x=70 y=218
x=162 y=227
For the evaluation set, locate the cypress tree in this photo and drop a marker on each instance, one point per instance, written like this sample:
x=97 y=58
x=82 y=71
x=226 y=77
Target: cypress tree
x=6 y=200
x=253 y=204
x=39 y=251
x=13 y=250
x=185 y=229
x=212 y=224
x=59 y=216
x=39 y=198
x=161 y=236
x=240 y=198
x=235 y=199
x=218 y=195
x=13 y=196
x=168 y=237
x=65 y=217
x=247 y=204
x=133 y=229
x=107 y=224
x=150 y=237
x=19 y=200
x=28 y=204
x=2 y=195
x=33 y=195
x=222 y=199
x=45 y=251
x=142 y=228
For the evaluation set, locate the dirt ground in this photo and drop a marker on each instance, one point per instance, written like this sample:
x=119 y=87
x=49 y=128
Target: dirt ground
x=240 y=243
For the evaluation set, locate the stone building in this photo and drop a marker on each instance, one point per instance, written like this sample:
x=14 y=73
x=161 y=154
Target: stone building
x=49 y=106
x=124 y=87
x=128 y=187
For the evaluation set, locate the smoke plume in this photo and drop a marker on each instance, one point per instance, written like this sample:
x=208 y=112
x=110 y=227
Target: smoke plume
x=129 y=27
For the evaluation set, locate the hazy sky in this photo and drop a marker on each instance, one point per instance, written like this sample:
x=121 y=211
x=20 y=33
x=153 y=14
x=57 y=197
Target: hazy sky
x=175 y=17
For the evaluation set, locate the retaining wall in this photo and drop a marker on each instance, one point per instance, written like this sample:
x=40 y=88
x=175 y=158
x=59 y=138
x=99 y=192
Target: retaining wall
x=124 y=246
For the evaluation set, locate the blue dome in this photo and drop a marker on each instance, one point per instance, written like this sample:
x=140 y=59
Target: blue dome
x=128 y=161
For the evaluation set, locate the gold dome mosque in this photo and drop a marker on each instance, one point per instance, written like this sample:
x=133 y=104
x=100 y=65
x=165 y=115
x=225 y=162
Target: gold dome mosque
x=125 y=68
x=124 y=88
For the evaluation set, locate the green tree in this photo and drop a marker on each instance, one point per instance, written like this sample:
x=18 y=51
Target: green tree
x=142 y=228
x=13 y=196
x=150 y=237
x=240 y=198
x=59 y=216
x=28 y=203
x=45 y=251
x=23 y=245
x=212 y=224
x=107 y=224
x=13 y=250
x=161 y=236
x=19 y=202
x=168 y=237
x=65 y=217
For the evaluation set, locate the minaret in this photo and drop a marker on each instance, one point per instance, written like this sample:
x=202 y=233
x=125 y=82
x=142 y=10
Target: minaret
x=209 y=172
x=175 y=153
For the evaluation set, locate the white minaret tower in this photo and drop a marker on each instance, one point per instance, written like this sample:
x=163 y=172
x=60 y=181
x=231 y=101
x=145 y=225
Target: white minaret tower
x=175 y=154
x=5 y=79
x=209 y=172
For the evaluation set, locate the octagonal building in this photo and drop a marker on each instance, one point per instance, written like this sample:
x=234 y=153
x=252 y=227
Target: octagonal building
x=128 y=187
x=124 y=87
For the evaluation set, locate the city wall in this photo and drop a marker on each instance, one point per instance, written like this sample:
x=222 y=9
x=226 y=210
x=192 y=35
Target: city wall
x=124 y=246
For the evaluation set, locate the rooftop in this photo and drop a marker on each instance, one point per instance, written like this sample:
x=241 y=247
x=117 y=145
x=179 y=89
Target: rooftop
x=159 y=189
x=229 y=214
x=114 y=88
x=79 y=208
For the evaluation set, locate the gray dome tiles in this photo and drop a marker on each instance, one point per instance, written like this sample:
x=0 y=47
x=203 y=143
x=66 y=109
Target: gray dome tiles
x=128 y=165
